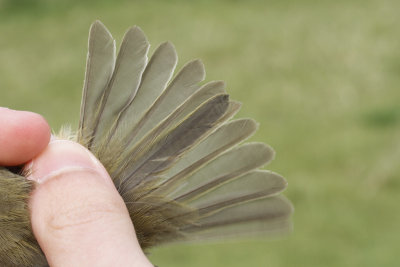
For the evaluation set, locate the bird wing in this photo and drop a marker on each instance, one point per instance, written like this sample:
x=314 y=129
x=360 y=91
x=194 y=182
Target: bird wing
x=170 y=145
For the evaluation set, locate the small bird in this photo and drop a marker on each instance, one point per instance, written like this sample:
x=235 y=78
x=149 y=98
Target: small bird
x=175 y=154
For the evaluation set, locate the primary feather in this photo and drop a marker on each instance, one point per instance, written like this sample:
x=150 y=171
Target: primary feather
x=170 y=147
x=179 y=164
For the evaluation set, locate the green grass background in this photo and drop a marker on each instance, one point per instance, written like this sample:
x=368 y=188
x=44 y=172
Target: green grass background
x=322 y=78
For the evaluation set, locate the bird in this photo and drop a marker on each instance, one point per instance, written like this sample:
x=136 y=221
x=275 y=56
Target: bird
x=175 y=152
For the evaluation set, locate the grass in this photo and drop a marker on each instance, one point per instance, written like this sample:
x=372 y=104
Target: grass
x=321 y=77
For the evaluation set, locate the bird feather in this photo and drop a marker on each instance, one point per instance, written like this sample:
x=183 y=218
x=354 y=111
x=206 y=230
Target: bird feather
x=171 y=148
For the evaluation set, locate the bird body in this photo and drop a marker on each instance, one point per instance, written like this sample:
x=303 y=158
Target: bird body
x=175 y=154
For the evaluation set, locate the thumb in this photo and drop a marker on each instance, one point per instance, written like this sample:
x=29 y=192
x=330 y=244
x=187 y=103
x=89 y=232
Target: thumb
x=77 y=215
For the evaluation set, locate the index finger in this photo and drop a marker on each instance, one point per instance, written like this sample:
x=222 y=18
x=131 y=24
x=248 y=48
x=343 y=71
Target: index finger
x=23 y=135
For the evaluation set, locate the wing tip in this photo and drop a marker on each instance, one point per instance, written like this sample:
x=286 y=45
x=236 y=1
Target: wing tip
x=169 y=49
x=198 y=66
x=135 y=33
x=275 y=176
x=267 y=152
x=168 y=44
x=98 y=25
x=218 y=83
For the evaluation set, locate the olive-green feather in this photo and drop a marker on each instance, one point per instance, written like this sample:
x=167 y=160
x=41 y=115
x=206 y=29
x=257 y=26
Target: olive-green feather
x=18 y=247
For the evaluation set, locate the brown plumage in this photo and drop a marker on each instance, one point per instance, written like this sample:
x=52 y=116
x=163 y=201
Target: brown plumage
x=18 y=246
x=171 y=147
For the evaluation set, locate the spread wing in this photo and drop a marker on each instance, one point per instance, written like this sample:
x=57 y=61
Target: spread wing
x=171 y=147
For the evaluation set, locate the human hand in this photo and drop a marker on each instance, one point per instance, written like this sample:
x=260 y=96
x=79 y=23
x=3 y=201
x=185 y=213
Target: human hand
x=77 y=215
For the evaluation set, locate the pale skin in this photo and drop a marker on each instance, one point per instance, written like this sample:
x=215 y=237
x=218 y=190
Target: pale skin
x=77 y=215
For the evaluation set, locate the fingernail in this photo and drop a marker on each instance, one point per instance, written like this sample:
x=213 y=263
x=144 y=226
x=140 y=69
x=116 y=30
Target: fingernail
x=63 y=156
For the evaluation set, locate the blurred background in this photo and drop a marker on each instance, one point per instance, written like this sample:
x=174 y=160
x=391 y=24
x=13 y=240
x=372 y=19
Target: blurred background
x=322 y=78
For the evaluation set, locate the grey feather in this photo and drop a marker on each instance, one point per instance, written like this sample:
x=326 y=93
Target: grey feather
x=181 y=87
x=174 y=156
x=123 y=85
x=222 y=139
x=156 y=153
x=218 y=142
x=205 y=93
x=228 y=166
x=99 y=68
x=250 y=186
x=253 y=218
x=155 y=78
